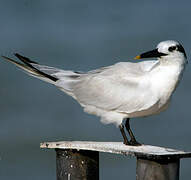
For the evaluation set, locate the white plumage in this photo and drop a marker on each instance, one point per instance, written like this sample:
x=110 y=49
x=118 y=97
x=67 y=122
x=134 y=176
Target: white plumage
x=123 y=90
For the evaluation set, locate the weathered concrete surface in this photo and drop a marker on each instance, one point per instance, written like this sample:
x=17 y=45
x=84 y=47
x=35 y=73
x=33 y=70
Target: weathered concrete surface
x=143 y=151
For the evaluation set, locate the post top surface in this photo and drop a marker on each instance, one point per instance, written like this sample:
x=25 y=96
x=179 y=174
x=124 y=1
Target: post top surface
x=143 y=151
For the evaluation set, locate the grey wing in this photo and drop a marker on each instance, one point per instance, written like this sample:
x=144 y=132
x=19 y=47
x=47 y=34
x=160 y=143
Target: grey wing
x=122 y=87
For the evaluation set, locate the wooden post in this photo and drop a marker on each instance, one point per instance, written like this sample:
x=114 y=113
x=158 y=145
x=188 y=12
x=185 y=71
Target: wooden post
x=80 y=159
x=164 y=169
x=78 y=165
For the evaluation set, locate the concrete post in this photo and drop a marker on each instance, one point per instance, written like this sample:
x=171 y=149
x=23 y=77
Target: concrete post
x=78 y=165
x=164 y=169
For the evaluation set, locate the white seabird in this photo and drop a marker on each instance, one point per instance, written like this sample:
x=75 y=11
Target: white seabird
x=123 y=90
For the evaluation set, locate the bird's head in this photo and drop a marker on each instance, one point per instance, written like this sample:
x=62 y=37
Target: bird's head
x=166 y=50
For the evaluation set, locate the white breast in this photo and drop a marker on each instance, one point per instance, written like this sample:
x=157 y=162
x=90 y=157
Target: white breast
x=164 y=80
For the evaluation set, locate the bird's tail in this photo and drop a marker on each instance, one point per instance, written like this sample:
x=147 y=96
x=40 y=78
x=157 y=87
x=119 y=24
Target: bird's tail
x=64 y=80
x=30 y=67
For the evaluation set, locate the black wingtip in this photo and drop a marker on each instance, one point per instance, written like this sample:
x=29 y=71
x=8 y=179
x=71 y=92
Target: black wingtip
x=24 y=59
x=29 y=63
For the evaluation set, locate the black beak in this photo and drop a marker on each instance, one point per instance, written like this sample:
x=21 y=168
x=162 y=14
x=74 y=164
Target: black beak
x=150 y=54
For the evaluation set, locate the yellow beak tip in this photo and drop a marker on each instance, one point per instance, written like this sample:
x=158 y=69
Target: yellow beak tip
x=137 y=57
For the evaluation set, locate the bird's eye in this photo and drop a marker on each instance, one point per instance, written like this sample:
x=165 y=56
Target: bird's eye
x=172 y=48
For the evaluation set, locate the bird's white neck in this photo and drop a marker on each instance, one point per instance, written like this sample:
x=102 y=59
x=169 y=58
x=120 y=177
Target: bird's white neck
x=170 y=60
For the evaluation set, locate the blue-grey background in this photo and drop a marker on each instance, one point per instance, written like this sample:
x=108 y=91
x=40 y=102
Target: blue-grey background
x=83 y=35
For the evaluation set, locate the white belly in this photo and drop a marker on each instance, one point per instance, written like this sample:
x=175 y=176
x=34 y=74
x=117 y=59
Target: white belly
x=155 y=109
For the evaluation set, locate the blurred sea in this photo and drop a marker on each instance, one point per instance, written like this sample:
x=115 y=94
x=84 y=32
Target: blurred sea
x=83 y=35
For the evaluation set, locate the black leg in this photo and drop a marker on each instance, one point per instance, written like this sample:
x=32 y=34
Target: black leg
x=133 y=141
x=125 y=140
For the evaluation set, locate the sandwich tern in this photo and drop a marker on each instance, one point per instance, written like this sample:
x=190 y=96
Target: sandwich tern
x=121 y=91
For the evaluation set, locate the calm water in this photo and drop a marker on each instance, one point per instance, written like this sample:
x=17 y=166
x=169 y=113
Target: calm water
x=83 y=35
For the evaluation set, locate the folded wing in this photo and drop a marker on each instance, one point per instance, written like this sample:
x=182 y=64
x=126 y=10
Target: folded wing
x=123 y=87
